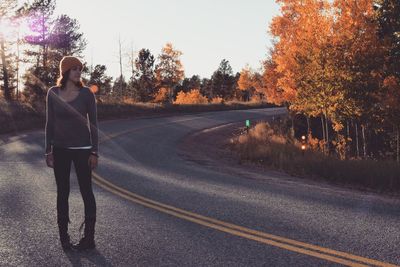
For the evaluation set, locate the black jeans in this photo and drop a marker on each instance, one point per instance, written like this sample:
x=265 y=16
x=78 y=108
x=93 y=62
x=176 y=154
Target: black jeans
x=62 y=168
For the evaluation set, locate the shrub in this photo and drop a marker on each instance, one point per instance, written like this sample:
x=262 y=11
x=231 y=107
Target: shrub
x=192 y=97
x=262 y=144
x=217 y=100
x=162 y=95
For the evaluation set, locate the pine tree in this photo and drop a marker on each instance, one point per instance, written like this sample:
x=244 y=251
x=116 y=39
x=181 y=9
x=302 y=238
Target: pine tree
x=223 y=82
x=143 y=79
x=50 y=41
x=189 y=84
x=99 y=78
x=7 y=57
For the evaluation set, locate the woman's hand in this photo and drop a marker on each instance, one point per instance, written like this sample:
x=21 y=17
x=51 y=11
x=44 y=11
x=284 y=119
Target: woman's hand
x=92 y=161
x=50 y=160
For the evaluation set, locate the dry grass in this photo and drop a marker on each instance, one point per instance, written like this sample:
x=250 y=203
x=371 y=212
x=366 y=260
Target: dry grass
x=262 y=145
x=15 y=116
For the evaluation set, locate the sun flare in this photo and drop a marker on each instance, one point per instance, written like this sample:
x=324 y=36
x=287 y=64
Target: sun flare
x=12 y=29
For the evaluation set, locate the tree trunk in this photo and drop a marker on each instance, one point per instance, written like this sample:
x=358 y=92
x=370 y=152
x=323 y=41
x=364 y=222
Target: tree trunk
x=308 y=126
x=364 y=141
x=292 y=133
x=347 y=138
x=121 y=94
x=398 y=145
x=323 y=130
x=44 y=46
x=17 y=70
x=7 y=93
x=120 y=58
x=327 y=134
x=357 y=148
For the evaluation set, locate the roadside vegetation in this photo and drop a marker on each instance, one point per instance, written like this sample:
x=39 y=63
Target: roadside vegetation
x=272 y=145
x=15 y=116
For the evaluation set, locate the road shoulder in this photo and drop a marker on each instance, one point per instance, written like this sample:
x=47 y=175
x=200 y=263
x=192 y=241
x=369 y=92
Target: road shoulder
x=214 y=153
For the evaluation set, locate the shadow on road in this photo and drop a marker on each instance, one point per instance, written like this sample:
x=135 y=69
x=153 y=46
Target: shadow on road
x=94 y=256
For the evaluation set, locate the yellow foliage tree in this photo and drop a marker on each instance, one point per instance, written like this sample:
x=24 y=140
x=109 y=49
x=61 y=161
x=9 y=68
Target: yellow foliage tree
x=245 y=81
x=192 y=97
x=251 y=82
x=217 y=100
x=169 y=69
x=162 y=95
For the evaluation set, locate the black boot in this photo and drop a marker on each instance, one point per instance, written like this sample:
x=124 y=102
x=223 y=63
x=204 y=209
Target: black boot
x=64 y=236
x=87 y=242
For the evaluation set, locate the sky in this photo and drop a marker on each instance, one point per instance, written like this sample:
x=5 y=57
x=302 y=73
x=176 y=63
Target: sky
x=205 y=31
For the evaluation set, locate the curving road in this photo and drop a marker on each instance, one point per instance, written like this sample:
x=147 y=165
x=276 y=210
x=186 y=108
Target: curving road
x=157 y=208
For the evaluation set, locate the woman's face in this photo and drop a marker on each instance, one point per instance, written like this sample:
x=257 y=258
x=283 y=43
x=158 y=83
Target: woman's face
x=75 y=74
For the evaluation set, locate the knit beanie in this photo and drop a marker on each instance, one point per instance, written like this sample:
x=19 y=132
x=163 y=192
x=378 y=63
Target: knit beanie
x=67 y=62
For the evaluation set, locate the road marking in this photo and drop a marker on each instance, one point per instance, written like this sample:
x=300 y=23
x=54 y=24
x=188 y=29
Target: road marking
x=277 y=241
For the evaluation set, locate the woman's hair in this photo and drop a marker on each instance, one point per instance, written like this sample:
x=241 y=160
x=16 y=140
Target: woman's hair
x=62 y=81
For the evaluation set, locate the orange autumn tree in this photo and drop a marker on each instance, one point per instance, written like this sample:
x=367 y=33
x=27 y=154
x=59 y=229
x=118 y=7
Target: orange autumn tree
x=321 y=63
x=251 y=82
x=169 y=69
x=303 y=58
x=259 y=86
x=273 y=92
x=283 y=28
x=245 y=82
x=360 y=56
x=162 y=95
x=192 y=97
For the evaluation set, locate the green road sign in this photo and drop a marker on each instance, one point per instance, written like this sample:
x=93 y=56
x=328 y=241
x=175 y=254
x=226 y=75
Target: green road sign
x=247 y=123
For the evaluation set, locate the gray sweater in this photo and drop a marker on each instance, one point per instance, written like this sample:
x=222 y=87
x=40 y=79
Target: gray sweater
x=67 y=123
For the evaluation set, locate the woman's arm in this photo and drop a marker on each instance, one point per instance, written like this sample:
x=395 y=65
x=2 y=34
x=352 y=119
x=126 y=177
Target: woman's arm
x=92 y=112
x=49 y=128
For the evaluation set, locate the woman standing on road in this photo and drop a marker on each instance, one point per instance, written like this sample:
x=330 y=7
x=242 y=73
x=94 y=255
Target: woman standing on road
x=69 y=138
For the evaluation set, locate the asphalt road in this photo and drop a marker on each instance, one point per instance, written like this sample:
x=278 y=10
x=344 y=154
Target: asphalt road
x=155 y=208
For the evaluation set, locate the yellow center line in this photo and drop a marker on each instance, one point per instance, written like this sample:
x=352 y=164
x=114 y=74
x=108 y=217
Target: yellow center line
x=277 y=241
